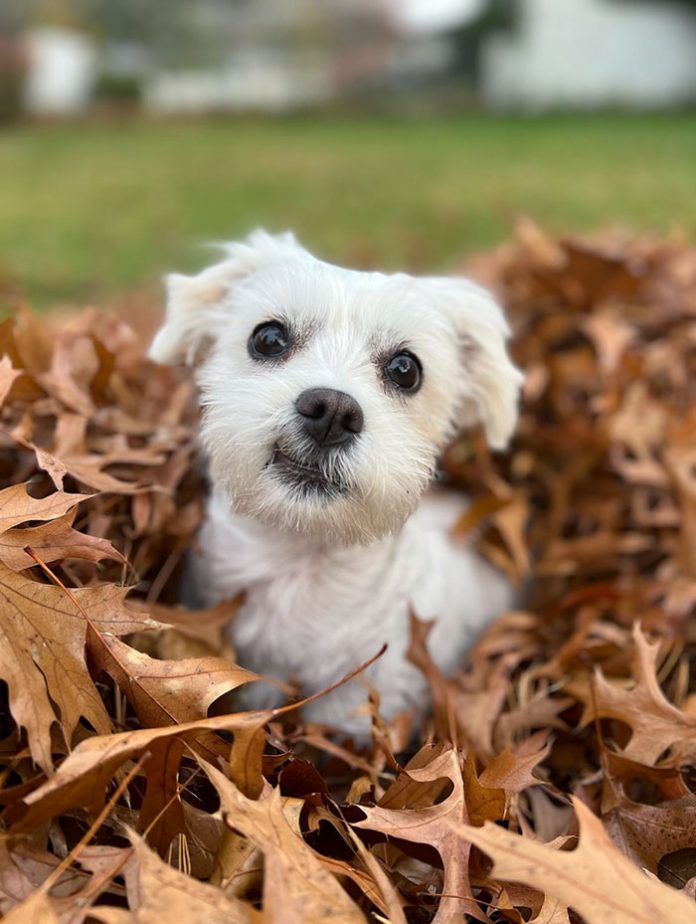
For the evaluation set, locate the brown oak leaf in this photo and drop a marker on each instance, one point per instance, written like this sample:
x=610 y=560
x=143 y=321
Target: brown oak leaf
x=657 y=725
x=156 y=891
x=435 y=825
x=595 y=878
x=297 y=888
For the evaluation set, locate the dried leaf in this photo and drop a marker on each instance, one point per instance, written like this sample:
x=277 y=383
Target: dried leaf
x=53 y=542
x=16 y=506
x=594 y=879
x=297 y=887
x=167 y=692
x=82 y=778
x=42 y=643
x=8 y=375
x=435 y=825
x=657 y=725
x=156 y=890
x=36 y=909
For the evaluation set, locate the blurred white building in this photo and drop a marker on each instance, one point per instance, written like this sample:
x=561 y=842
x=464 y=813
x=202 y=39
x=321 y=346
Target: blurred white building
x=278 y=55
x=255 y=81
x=198 y=56
x=285 y=55
x=62 y=72
x=593 y=53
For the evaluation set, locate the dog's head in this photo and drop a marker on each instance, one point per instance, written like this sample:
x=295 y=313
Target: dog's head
x=329 y=393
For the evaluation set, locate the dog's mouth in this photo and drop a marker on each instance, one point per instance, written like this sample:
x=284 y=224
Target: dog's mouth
x=307 y=475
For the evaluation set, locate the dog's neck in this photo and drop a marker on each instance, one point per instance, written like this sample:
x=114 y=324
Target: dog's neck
x=248 y=552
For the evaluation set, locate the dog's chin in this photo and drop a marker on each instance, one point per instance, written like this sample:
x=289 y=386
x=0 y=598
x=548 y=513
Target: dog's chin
x=287 y=499
x=293 y=492
x=306 y=479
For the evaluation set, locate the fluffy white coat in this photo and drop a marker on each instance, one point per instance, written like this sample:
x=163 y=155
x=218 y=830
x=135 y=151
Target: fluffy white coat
x=331 y=575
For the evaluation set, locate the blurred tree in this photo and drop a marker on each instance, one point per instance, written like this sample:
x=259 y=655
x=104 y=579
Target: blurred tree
x=176 y=32
x=62 y=13
x=13 y=68
x=13 y=59
x=13 y=14
x=167 y=28
x=496 y=16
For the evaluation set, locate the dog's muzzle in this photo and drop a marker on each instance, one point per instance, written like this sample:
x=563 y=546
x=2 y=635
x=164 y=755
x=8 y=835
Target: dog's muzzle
x=328 y=423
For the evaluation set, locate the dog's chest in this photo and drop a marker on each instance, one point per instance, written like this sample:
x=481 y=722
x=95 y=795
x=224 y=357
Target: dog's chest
x=323 y=620
x=311 y=612
x=315 y=612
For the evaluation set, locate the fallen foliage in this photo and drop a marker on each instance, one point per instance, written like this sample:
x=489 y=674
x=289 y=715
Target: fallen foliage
x=554 y=782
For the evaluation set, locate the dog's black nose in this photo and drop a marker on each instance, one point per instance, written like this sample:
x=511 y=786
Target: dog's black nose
x=330 y=417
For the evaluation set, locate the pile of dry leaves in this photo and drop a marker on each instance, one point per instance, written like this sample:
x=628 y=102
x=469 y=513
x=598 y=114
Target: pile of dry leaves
x=555 y=781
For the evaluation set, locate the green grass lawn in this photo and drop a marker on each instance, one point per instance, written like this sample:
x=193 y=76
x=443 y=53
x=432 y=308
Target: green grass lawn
x=90 y=210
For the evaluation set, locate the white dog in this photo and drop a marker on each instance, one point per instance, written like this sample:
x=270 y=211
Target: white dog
x=327 y=396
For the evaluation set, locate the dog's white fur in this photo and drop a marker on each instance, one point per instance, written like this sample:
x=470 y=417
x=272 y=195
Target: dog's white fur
x=328 y=579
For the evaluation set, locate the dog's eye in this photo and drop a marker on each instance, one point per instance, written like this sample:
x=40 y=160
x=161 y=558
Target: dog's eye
x=270 y=339
x=404 y=371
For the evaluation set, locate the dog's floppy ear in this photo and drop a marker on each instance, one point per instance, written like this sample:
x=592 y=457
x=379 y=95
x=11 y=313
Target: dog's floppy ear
x=196 y=304
x=491 y=383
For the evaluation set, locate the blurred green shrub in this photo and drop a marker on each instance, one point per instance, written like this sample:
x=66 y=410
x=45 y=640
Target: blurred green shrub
x=119 y=89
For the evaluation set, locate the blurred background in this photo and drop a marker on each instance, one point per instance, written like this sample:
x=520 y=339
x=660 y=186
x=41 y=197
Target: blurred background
x=390 y=133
